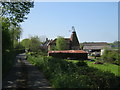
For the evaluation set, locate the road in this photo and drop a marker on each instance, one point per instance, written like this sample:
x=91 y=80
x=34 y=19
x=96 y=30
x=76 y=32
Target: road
x=24 y=75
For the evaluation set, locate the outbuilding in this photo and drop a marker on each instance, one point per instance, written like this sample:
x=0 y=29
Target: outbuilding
x=69 y=54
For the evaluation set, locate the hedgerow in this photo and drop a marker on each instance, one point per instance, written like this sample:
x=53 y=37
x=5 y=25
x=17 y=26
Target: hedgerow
x=63 y=74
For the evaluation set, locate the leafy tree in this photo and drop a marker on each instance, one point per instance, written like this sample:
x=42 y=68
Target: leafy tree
x=26 y=43
x=16 y=11
x=6 y=37
x=13 y=13
x=34 y=43
x=60 y=43
x=16 y=32
x=111 y=56
x=53 y=48
x=115 y=44
x=10 y=33
x=81 y=46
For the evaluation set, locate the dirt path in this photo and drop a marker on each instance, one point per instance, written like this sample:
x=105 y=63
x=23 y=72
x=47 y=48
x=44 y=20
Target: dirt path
x=24 y=75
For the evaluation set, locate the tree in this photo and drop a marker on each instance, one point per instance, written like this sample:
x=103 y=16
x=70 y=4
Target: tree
x=13 y=13
x=81 y=46
x=6 y=37
x=16 y=32
x=34 y=43
x=115 y=44
x=26 y=43
x=60 y=43
x=111 y=56
x=16 y=11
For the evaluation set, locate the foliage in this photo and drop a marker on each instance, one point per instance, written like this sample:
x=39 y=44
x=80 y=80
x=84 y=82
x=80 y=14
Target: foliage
x=16 y=32
x=111 y=56
x=16 y=11
x=63 y=74
x=81 y=63
x=115 y=44
x=34 y=43
x=6 y=37
x=13 y=13
x=53 y=47
x=81 y=46
x=60 y=43
x=106 y=67
x=26 y=43
x=7 y=62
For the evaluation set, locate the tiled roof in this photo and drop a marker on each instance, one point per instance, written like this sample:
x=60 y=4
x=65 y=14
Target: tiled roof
x=74 y=39
x=67 y=40
x=68 y=51
x=95 y=44
x=95 y=47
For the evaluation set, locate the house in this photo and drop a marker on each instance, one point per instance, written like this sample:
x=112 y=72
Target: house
x=72 y=50
x=44 y=46
x=72 y=42
x=95 y=48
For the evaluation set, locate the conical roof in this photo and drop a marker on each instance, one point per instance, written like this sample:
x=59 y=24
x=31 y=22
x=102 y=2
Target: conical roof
x=74 y=39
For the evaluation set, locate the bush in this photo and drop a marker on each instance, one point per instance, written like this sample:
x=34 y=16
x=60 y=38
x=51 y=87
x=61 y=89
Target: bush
x=111 y=56
x=71 y=81
x=81 y=63
x=63 y=74
x=104 y=79
x=7 y=62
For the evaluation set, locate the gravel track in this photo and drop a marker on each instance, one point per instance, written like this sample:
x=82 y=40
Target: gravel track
x=24 y=75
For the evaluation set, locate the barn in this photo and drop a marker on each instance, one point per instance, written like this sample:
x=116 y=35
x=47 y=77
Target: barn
x=69 y=54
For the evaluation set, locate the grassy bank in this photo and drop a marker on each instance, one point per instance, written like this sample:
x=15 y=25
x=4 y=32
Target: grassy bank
x=104 y=67
x=64 y=74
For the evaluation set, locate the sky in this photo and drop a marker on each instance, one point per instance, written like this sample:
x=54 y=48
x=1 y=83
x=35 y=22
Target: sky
x=93 y=21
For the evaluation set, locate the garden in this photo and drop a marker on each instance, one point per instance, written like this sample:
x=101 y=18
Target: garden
x=102 y=66
x=65 y=74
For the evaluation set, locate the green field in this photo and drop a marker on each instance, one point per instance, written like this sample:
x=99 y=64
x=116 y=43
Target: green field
x=104 y=67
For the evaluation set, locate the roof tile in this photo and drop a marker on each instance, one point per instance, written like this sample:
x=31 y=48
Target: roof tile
x=68 y=51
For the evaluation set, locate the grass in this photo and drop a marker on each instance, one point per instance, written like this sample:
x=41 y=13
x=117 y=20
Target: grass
x=74 y=61
x=104 y=67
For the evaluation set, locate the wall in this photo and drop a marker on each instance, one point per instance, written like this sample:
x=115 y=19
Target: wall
x=79 y=56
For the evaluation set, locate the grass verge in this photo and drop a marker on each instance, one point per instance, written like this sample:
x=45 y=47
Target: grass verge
x=104 y=67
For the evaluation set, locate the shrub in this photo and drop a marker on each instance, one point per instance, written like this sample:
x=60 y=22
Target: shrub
x=7 y=62
x=63 y=74
x=111 y=56
x=81 y=63
x=71 y=81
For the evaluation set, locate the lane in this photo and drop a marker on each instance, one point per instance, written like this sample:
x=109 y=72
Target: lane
x=25 y=75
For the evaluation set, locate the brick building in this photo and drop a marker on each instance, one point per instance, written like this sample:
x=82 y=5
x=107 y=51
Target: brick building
x=72 y=42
